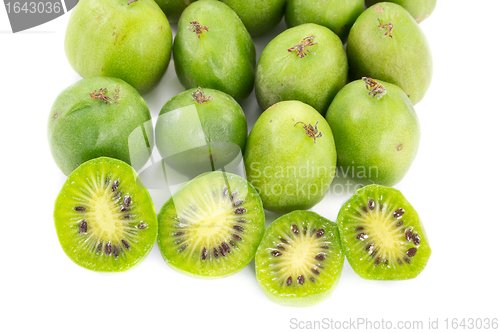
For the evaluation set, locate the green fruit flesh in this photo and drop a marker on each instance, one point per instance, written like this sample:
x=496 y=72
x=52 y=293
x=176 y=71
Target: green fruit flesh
x=419 y=9
x=105 y=220
x=115 y=123
x=214 y=50
x=292 y=67
x=337 y=15
x=299 y=261
x=382 y=235
x=291 y=166
x=376 y=137
x=201 y=129
x=258 y=16
x=386 y=43
x=212 y=226
x=119 y=38
x=173 y=8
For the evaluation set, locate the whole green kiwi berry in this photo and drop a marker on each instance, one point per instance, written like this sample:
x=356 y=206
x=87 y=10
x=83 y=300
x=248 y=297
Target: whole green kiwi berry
x=214 y=50
x=127 y=39
x=97 y=117
x=376 y=131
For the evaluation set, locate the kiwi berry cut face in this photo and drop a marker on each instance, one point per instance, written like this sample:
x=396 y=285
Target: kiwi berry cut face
x=382 y=235
x=299 y=261
x=104 y=218
x=212 y=226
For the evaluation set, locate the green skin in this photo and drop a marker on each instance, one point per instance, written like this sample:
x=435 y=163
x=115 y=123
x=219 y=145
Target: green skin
x=222 y=58
x=354 y=248
x=310 y=293
x=173 y=8
x=258 y=16
x=81 y=248
x=284 y=76
x=376 y=139
x=419 y=9
x=220 y=139
x=110 y=38
x=404 y=60
x=284 y=164
x=194 y=194
x=337 y=15
x=81 y=128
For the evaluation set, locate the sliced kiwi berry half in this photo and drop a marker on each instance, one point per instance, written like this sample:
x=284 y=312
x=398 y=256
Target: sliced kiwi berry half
x=212 y=226
x=300 y=260
x=105 y=219
x=382 y=235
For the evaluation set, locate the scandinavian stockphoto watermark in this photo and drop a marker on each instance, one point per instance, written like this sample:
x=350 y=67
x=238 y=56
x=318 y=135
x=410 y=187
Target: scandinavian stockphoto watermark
x=471 y=324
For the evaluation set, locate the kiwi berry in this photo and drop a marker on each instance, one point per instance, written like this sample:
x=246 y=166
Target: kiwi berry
x=105 y=219
x=382 y=235
x=212 y=226
x=300 y=260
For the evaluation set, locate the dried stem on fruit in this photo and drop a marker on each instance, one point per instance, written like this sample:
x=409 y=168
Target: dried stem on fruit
x=301 y=47
x=200 y=97
x=374 y=88
x=101 y=95
x=197 y=28
x=388 y=26
x=311 y=131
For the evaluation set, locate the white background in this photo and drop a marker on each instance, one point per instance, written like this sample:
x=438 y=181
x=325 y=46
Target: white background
x=453 y=184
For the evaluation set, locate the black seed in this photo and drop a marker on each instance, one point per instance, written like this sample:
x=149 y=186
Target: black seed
x=117 y=195
x=281 y=247
x=80 y=208
x=182 y=248
x=233 y=195
x=238 y=228
x=241 y=220
x=320 y=256
x=369 y=247
x=361 y=236
x=127 y=201
x=226 y=247
x=142 y=225
x=178 y=233
x=99 y=248
x=320 y=233
x=400 y=223
x=237 y=237
x=411 y=252
x=284 y=240
x=221 y=250
x=124 y=209
x=371 y=204
x=377 y=261
x=399 y=213
x=305 y=231
x=312 y=279
x=325 y=247
x=232 y=243
x=83 y=227
x=276 y=253
x=106 y=181
x=204 y=253
x=224 y=192
x=409 y=234
x=237 y=203
x=364 y=209
x=289 y=281
x=115 y=185
x=408 y=261
x=381 y=206
x=240 y=211
x=126 y=217
x=124 y=242
x=216 y=254
x=107 y=249
x=300 y=279
x=358 y=228
x=416 y=239
x=315 y=271
x=399 y=261
x=295 y=230
x=115 y=251
x=386 y=262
